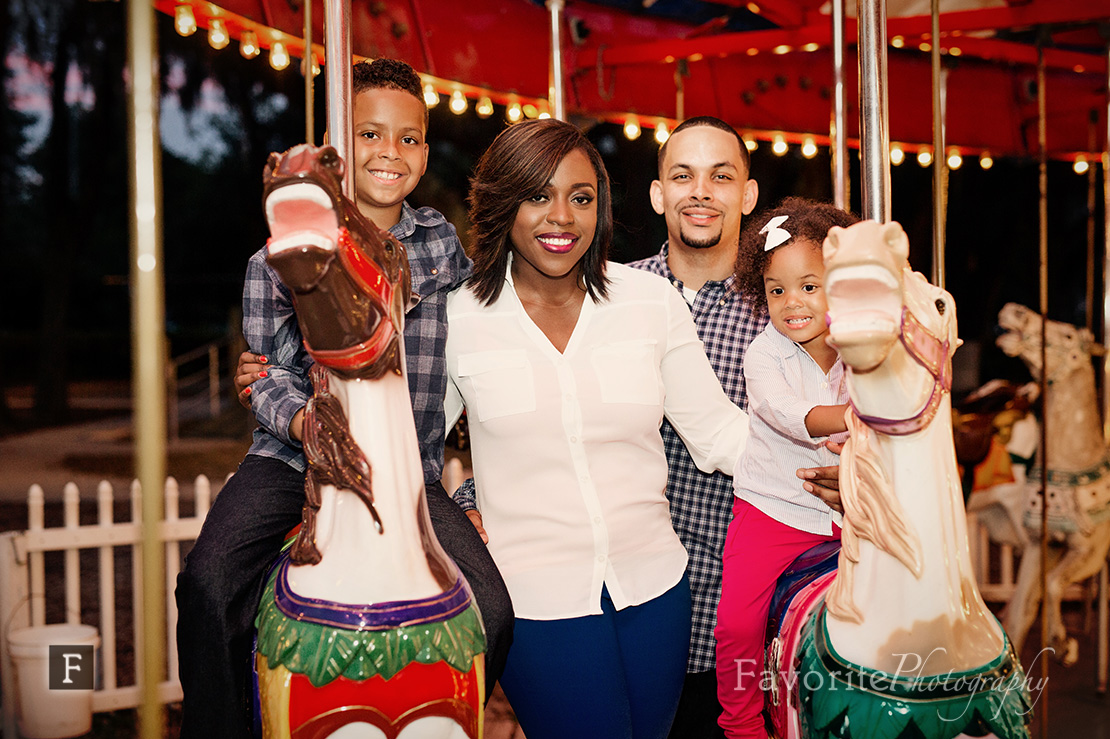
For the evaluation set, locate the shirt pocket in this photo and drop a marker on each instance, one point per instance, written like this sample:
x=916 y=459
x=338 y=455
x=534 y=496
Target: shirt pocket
x=501 y=383
x=627 y=372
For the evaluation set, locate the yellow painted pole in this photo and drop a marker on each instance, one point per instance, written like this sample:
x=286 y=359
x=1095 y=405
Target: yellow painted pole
x=147 y=346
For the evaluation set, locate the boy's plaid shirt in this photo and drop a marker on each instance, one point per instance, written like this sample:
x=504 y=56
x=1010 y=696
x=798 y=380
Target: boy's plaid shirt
x=701 y=504
x=438 y=264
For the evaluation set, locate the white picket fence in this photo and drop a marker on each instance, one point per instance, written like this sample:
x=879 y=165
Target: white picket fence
x=23 y=584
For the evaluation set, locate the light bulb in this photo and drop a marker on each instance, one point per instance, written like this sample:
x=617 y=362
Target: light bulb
x=184 y=20
x=924 y=157
x=218 y=37
x=531 y=111
x=458 y=102
x=514 y=113
x=1081 y=165
x=484 y=108
x=431 y=97
x=897 y=155
x=779 y=146
x=661 y=133
x=750 y=144
x=279 y=57
x=631 y=129
x=809 y=148
x=986 y=161
x=248 y=44
x=955 y=161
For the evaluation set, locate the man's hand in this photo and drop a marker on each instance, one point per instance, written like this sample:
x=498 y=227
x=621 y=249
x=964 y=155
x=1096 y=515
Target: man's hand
x=824 y=482
x=476 y=519
x=251 y=367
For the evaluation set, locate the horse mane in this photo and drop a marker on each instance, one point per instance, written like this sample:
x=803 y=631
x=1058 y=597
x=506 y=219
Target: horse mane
x=870 y=512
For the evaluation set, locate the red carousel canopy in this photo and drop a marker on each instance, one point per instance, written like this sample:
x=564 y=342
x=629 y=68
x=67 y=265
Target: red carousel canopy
x=775 y=81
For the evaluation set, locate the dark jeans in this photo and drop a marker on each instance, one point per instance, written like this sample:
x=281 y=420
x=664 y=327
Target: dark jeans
x=218 y=591
x=698 y=708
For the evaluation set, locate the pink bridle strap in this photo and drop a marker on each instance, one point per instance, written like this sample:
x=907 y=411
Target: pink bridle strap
x=932 y=354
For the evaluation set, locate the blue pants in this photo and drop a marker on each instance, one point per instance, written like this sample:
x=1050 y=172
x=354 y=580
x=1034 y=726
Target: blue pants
x=613 y=676
x=218 y=591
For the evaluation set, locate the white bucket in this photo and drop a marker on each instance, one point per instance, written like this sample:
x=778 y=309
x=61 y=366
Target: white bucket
x=46 y=713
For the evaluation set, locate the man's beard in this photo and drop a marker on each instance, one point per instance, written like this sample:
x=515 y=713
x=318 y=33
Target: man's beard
x=705 y=242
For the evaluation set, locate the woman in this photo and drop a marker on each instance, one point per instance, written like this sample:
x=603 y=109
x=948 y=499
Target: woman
x=567 y=364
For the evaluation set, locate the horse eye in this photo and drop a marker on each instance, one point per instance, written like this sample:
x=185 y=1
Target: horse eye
x=941 y=307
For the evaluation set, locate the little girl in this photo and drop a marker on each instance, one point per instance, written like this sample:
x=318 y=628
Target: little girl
x=797 y=398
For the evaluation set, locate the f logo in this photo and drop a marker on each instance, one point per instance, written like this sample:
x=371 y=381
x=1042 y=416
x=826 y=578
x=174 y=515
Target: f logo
x=71 y=667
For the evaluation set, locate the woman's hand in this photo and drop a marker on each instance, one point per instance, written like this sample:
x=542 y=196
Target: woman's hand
x=251 y=367
x=476 y=519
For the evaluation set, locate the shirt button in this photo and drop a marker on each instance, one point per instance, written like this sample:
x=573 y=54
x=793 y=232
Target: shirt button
x=574 y=440
x=597 y=519
x=601 y=558
x=722 y=302
x=435 y=271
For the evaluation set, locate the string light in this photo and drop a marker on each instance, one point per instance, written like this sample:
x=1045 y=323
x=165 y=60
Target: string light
x=986 y=161
x=514 y=112
x=924 y=156
x=484 y=108
x=897 y=154
x=544 y=115
x=1081 y=165
x=779 y=147
x=531 y=111
x=632 y=128
x=184 y=20
x=750 y=144
x=898 y=42
x=279 y=57
x=248 y=45
x=431 y=97
x=809 y=148
x=661 y=133
x=315 y=66
x=458 y=102
x=955 y=161
x=218 y=37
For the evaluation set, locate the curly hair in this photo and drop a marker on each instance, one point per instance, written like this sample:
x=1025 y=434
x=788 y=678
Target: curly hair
x=388 y=74
x=808 y=220
x=517 y=166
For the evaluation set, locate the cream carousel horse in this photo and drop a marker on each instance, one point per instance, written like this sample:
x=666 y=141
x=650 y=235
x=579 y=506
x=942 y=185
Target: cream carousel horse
x=903 y=636
x=1078 y=479
x=366 y=627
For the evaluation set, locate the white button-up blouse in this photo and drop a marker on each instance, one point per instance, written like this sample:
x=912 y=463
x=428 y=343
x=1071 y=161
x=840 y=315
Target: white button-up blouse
x=568 y=460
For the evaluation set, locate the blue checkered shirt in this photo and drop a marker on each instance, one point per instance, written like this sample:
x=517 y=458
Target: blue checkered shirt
x=438 y=265
x=701 y=504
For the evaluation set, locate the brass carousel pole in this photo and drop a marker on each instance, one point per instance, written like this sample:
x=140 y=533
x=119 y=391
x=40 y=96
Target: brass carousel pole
x=1042 y=138
x=557 y=96
x=874 y=137
x=148 y=343
x=337 y=42
x=1103 y=590
x=308 y=62
x=940 y=160
x=839 y=131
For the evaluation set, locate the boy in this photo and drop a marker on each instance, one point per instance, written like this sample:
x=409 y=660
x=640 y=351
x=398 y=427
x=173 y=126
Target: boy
x=218 y=591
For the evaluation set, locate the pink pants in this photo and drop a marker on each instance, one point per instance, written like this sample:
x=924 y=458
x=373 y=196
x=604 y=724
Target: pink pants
x=758 y=549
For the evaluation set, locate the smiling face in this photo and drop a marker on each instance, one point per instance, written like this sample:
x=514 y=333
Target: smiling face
x=554 y=228
x=794 y=283
x=390 y=154
x=703 y=188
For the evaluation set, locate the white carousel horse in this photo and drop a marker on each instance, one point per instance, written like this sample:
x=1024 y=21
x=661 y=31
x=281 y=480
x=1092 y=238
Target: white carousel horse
x=366 y=627
x=903 y=636
x=1078 y=476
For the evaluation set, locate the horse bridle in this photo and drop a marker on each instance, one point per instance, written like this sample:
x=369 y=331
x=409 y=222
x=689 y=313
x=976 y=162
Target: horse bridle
x=932 y=354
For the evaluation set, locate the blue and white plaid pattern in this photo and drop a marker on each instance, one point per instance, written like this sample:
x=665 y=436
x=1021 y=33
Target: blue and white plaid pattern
x=701 y=504
x=438 y=265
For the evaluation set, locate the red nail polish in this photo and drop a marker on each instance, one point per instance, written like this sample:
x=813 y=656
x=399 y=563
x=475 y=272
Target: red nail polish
x=263 y=373
x=262 y=358
x=246 y=391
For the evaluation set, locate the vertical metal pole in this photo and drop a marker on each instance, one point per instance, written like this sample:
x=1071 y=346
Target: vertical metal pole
x=337 y=35
x=557 y=97
x=309 y=58
x=838 y=129
x=147 y=345
x=1106 y=262
x=874 y=136
x=1092 y=187
x=1042 y=137
x=940 y=159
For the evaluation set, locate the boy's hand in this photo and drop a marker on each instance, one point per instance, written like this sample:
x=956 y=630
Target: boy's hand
x=476 y=519
x=251 y=367
x=824 y=482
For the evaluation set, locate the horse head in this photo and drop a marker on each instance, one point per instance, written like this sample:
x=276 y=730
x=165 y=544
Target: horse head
x=350 y=280
x=1069 y=348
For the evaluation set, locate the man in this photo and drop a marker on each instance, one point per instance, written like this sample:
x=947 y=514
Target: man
x=703 y=192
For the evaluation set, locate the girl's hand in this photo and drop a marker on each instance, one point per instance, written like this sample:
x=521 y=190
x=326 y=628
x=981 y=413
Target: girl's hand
x=476 y=519
x=251 y=367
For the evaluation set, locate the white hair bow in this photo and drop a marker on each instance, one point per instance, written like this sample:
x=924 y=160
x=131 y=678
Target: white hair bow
x=775 y=235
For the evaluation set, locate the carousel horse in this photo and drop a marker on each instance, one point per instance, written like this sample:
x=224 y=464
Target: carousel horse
x=366 y=628
x=1078 y=479
x=896 y=641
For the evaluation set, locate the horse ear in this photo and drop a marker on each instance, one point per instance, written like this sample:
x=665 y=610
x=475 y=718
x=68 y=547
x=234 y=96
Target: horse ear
x=895 y=238
x=832 y=242
x=271 y=164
